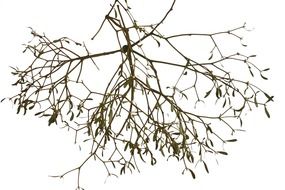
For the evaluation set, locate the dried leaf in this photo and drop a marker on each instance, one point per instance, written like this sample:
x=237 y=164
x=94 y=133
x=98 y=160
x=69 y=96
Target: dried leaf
x=207 y=94
x=266 y=112
x=211 y=56
x=206 y=167
x=222 y=152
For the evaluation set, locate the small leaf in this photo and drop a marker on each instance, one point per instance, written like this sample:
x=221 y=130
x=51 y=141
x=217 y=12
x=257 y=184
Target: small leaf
x=225 y=102
x=110 y=114
x=113 y=164
x=206 y=167
x=122 y=170
x=78 y=44
x=240 y=109
x=192 y=173
x=211 y=57
x=158 y=43
x=126 y=146
x=53 y=117
x=31 y=107
x=211 y=142
x=207 y=94
x=267 y=69
x=231 y=140
x=116 y=14
x=270 y=98
x=255 y=101
x=39 y=113
x=185 y=73
x=251 y=73
x=15 y=101
x=266 y=112
x=3 y=99
x=265 y=78
x=218 y=92
x=18 y=109
x=222 y=152
x=153 y=161
x=72 y=116
x=161 y=150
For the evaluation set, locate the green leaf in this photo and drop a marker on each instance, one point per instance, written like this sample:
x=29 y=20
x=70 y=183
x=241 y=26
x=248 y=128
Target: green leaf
x=266 y=112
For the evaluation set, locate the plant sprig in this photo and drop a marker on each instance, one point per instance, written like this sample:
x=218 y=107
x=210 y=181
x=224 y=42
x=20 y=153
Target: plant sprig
x=135 y=115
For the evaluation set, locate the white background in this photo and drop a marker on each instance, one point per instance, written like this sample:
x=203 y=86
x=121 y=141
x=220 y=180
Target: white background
x=30 y=151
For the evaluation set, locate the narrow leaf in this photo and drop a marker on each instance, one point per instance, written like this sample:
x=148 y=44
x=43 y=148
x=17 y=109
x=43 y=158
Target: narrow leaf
x=266 y=112
x=192 y=173
x=206 y=167
x=72 y=116
x=255 y=101
x=222 y=152
x=211 y=57
x=207 y=94
x=231 y=140
x=39 y=113
x=265 y=78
